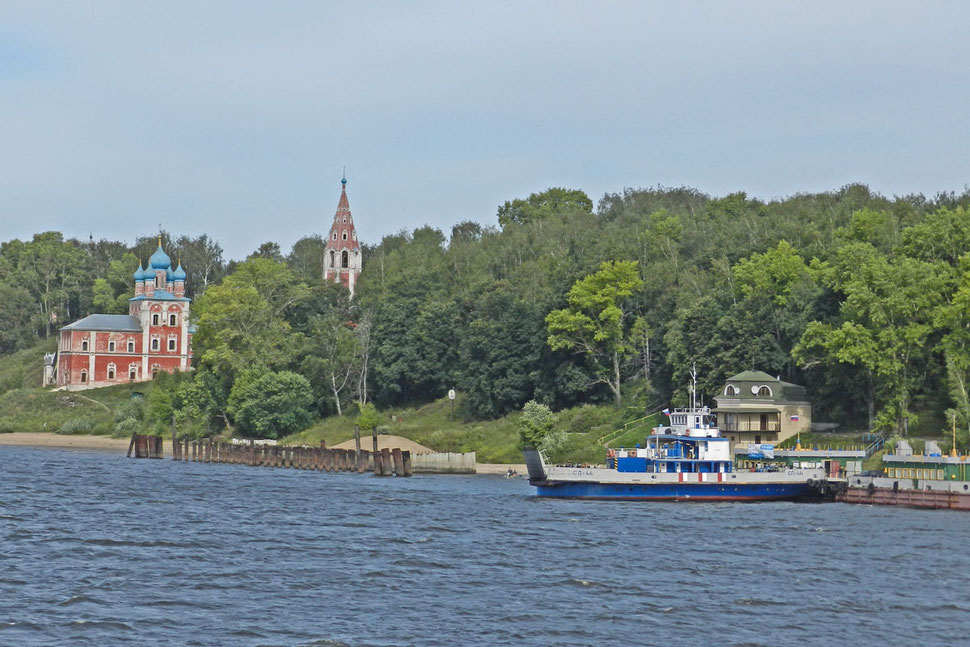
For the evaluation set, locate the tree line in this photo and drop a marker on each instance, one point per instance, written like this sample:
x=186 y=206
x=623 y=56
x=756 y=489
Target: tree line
x=863 y=299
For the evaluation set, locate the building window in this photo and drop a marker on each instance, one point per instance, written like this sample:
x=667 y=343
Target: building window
x=131 y=374
x=730 y=390
x=171 y=320
x=111 y=371
x=344 y=258
x=344 y=235
x=84 y=344
x=335 y=235
x=171 y=344
x=131 y=346
x=155 y=319
x=155 y=343
x=764 y=391
x=332 y=256
x=111 y=347
x=84 y=377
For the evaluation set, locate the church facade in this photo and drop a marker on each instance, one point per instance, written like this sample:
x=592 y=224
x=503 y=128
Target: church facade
x=102 y=350
x=343 y=259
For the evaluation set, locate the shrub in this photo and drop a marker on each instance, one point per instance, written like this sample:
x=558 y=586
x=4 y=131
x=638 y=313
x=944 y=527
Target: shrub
x=132 y=408
x=272 y=404
x=536 y=421
x=74 y=426
x=127 y=427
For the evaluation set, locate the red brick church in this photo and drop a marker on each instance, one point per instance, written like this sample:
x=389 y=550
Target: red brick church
x=155 y=335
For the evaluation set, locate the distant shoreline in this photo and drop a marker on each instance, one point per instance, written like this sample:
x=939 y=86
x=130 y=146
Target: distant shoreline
x=120 y=446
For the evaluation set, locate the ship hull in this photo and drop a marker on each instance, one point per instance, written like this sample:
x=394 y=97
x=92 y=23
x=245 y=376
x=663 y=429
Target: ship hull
x=677 y=491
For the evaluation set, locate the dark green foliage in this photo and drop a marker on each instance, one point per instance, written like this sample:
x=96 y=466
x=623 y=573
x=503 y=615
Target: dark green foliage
x=863 y=299
x=267 y=404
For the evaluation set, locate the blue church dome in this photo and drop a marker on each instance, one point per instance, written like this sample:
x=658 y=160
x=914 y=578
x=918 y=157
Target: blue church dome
x=160 y=260
x=139 y=273
x=169 y=275
x=179 y=273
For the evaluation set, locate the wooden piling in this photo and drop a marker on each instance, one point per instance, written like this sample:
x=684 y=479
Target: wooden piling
x=378 y=471
x=398 y=461
x=357 y=446
x=406 y=461
x=175 y=446
x=131 y=445
x=385 y=462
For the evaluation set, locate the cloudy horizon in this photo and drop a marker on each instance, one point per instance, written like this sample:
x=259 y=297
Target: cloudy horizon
x=236 y=119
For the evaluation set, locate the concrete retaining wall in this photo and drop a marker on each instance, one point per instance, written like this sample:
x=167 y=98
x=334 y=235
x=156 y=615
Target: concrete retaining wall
x=443 y=463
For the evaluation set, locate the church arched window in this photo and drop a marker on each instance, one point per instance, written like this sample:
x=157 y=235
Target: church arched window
x=332 y=256
x=345 y=235
x=344 y=259
x=335 y=235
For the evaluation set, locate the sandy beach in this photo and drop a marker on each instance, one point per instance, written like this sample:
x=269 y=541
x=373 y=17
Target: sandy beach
x=93 y=443
x=120 y=445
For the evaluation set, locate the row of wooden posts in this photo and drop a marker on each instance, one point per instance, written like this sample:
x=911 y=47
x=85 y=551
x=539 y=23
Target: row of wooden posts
x=383 y=462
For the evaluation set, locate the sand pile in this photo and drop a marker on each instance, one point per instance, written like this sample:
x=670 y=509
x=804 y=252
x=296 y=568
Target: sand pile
x=385 y=441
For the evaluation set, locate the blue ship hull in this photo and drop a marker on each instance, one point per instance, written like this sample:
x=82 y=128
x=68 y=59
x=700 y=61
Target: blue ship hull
x=677 y=491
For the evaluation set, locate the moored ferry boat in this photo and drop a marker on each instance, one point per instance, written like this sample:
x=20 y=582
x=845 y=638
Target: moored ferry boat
x=688 y=460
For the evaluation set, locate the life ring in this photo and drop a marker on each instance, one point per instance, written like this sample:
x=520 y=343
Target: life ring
x=632 y=453
x=611 y=453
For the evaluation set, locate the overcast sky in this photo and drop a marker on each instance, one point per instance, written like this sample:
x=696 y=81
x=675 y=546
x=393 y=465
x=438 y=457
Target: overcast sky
x=235 y=119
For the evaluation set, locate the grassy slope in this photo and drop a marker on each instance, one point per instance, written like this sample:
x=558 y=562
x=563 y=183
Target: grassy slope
x=495 y=441
x=24 y=406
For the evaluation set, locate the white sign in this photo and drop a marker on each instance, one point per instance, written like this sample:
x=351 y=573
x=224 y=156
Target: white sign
x=451 y=394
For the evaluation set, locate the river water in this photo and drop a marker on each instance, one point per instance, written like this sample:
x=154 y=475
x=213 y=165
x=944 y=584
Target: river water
x=97 y=549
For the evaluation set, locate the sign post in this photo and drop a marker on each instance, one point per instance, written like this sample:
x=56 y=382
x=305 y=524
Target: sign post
x=451 y=396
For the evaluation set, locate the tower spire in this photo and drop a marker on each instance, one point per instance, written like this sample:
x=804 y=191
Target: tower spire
x=342 y=261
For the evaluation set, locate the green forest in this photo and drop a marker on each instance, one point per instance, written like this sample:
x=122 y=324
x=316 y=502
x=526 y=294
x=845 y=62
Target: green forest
x=863 y=299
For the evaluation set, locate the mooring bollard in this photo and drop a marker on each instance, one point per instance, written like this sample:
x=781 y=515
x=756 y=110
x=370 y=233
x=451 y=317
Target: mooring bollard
x=398 y=461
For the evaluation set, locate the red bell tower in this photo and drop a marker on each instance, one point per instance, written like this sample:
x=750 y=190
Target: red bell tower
x=343 y=259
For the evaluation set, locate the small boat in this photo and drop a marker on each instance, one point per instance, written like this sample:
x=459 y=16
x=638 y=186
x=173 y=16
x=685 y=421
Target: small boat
x=688 y=460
